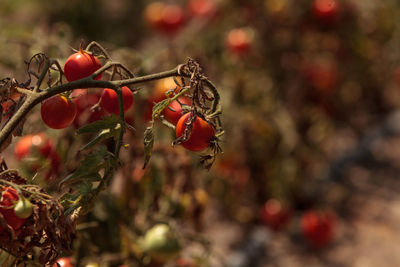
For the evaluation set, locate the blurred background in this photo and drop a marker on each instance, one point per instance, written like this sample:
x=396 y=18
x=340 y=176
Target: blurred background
x=310 y=89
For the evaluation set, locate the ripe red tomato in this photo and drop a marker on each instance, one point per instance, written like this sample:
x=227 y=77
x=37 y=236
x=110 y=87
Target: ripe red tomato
x=109 y=100
x=58 y=112
x=8 y=196
x=325 y=10
x=318 y=227
x=80 y=65
x=160 y=88
x=165 y=18
x=202 y=133
x=84 y=101
x=174 y=116
x=274 y=214
x=203 y=8
x=63 y=262
x=239 y=41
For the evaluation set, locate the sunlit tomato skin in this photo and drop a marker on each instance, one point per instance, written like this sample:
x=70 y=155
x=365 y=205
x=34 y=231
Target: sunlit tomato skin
x=274 y=214
x=239 y=41
x=58 y=112
x=84 y=101
x=81 y=65
x=325 y=10
x=318 y=227
x=63 y=262
x=201 y=136
x=8 y=197
x=174 y=111
x=109 y=100
x=203 y=8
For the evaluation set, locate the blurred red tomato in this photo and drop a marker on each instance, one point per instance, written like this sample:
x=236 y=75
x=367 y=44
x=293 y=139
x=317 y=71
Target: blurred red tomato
x=239 y=41
x=325 y=10
x=165 y=18
x=84 y=101
x=274 y=214
x=63 y=262
x=318 y=227
x=203 y=8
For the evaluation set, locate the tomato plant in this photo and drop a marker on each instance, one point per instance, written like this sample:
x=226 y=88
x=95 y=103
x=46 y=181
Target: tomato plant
x=58 y=112
x=80 y=65
x=201 y=135
x=109 y=100
x=318 y=227
x=8 y=197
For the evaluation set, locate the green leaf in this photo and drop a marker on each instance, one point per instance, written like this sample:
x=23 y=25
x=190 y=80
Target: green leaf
x=108 y=122
x=91 y=164
x=148 y=144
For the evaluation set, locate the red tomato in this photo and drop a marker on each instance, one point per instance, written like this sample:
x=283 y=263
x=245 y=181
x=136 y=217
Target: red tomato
x=239 y=41
x=274 y=215
x=84 y=101
x=174 y=116
x=165 y=18
x=325 y=10
x=28 y=144
x=181 y=262
x=38 y=145
x=203 y=8
x=160 y=88
x=63 y=262
x=58 y=112
x=202 y=133
x=8 y=197
x=81 y=65
x=318 y=227
x=109 y=100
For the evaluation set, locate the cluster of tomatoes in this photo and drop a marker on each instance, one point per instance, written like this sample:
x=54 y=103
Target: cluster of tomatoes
x=13 y=208
x=317 y=226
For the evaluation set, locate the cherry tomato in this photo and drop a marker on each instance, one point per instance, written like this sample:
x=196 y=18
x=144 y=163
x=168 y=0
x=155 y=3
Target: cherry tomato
x=174 y=110
x=239 y=41
x=8 y=197
x=325 y=10
x=58 y=112
x=80 y=65
x=160 y=88
x=181 y=262
x=203 y=8
x=39 y=147
x=274 y=215
x=63 y=262
x=109 y=100
x=201 y=136
x=165 y=18
x=318 y=227
x=161 y=243
x=23 y=209
x=6 y=105
x=84 y=101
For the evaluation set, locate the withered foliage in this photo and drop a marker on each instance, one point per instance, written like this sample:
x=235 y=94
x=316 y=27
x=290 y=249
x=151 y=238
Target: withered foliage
x=45 y=234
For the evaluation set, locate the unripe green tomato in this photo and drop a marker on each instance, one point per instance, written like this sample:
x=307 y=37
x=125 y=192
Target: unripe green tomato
x=23 y=209
x=161 y=243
